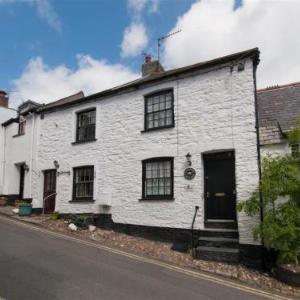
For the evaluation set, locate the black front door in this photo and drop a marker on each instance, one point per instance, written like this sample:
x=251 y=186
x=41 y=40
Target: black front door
x=220 y=198
x=22 y=178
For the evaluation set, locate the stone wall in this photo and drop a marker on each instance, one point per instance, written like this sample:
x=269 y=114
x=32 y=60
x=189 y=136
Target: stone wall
x=213 y=110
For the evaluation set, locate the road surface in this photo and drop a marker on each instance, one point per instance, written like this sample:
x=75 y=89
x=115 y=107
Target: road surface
x=37 y=265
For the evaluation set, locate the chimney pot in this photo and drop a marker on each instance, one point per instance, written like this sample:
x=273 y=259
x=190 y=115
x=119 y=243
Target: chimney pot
x=3 y=99
x=151 y=67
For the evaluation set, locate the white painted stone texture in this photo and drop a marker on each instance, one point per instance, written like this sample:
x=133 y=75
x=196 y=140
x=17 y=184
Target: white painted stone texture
x=21 y=149
x=214 y=110
x=275 y=149
x=5 y=114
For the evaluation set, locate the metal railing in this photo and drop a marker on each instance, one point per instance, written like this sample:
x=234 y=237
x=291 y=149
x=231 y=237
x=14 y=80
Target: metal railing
x=53 y=194
x=192 y=227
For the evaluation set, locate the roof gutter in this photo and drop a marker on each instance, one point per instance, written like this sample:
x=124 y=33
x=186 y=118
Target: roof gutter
x=252 y=53
x=10 y=121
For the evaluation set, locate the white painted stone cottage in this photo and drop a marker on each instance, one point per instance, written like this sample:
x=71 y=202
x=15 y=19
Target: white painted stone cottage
x=143 y=156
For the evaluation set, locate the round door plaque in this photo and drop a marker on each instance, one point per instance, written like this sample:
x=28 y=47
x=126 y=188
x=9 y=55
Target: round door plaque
x=189 y=173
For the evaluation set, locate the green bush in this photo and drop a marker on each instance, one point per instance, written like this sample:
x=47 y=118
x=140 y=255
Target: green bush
x=280 y=204
x=24 y=203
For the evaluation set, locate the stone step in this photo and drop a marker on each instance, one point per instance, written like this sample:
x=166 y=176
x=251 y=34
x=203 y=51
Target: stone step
x=218 y=242
x=229 y=255
x=220 y=224
x=219 y=232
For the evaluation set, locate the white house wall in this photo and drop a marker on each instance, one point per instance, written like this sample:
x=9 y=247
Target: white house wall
x=213 y=111
x=275 y=149
x=19 y=150
x=5 y=114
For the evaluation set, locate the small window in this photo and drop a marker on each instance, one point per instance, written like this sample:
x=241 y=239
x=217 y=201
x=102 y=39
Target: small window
x=295 y=149
x=86 y=123
x=158 y=178
x=159 y=110
x=83 y=183
x=22 y=125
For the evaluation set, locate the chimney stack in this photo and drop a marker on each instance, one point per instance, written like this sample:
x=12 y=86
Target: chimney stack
x=3 y=99
x=151 y=67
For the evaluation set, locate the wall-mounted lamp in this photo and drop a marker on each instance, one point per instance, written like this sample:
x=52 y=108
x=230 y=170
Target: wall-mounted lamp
x=56 y=164
x=189 y=158
x=26 y=167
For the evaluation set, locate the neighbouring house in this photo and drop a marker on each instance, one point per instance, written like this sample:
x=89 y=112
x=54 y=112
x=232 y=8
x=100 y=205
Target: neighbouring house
x=143 y=156
x=19 y=150
x=5 y=114
x=278 y=109
x=20 y=162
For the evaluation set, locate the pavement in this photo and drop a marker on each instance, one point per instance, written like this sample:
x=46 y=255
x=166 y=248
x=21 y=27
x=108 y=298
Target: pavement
x=34 y=219
x=38 y=264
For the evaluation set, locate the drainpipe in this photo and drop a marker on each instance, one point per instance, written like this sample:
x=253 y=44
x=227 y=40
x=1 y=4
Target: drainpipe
x=4 y=160
x=31 y=154
x=259 y=161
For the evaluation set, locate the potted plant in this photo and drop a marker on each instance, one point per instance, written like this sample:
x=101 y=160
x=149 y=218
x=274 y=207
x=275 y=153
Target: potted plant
x=25 y=209
x=280 y=208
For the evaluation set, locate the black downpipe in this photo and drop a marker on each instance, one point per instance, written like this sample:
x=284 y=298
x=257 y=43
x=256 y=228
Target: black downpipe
x=259 y=161
x=193 y=223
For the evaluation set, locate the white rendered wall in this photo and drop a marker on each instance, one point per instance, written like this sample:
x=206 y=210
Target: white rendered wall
x=5 y=114
x=213 y=111
x=19 y=150
x=275 y=149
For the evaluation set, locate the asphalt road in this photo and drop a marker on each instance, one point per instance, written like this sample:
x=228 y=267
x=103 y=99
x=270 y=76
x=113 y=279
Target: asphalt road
x=37 y=265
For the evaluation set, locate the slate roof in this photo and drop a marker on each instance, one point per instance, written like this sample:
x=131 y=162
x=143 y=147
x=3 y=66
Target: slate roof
x=153 y=78
x=278 y=108
x=63 y=101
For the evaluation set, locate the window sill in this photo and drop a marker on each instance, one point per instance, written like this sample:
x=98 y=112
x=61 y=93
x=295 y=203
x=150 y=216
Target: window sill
x=82 y=201
x=157 y=199
x=17 y=135
x=83 y=142
x=158 y=128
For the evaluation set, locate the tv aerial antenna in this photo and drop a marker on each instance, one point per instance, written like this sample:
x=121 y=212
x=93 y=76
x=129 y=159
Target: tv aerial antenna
x=161 y=39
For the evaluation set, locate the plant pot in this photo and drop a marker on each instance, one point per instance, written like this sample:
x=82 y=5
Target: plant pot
x=25 y=210
x=288 y=276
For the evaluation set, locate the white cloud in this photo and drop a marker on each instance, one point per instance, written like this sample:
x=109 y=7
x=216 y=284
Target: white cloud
x=42 y=83
x=135 y=37
x=137 y=6
x=212 y=28
x=135 y=40
x=44 y=9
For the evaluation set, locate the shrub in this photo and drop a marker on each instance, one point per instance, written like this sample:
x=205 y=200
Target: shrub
x=24 y=203
x=280 y=228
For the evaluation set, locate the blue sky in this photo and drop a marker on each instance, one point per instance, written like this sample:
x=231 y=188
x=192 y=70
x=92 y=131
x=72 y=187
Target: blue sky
x=53 y=48
x=93 y=27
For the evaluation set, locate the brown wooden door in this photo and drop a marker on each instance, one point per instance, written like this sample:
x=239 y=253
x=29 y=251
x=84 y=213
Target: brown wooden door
x=220 y=198
x=49 y=191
